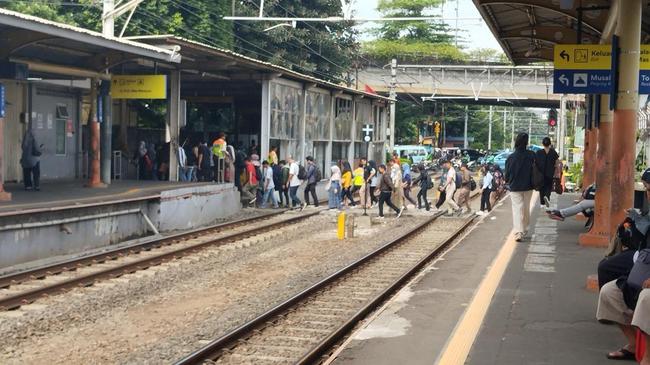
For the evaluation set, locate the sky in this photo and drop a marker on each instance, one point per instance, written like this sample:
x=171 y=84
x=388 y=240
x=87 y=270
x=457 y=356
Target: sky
x=473 y=32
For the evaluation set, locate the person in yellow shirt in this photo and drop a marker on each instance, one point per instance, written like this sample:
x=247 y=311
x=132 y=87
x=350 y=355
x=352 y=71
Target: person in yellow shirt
x=273 y=156
x=346 y=184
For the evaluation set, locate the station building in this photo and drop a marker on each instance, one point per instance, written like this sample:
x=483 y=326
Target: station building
x=90 y=100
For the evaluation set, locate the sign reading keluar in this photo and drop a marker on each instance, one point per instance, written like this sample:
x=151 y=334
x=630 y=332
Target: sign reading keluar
x=586 y=69
x=139 y=87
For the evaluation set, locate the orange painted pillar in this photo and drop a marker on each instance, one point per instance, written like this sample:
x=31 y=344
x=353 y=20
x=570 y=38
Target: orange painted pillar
x=625 y=114
x=591 y=143
x=4 y=196
x=601 y=231
x=94 y=178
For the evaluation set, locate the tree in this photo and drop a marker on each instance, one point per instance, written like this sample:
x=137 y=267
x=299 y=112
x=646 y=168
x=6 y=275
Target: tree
x=325 y=50
x=412 y=40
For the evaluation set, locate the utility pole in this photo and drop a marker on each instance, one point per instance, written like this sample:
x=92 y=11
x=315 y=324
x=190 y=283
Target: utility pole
x=505 y=121
x=512 y=128
x=108 y=18
x=489 y=146
x=444 y=127
x=465 y=142
x=393 y=96
x=561 y=125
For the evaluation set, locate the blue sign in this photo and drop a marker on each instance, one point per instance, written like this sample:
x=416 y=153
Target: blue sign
x=582 y=81
x=592 y=82
x=2 y=101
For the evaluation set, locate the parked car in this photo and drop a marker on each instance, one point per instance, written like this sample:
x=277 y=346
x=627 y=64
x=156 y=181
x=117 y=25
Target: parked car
x=500 y=160
x=415 y=154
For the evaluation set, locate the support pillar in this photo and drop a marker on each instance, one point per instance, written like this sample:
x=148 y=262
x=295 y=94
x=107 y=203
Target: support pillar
x=601 y=231
x=489 y=146
x=625 y=114
x=94 y=178
x=106 y=127
x=589 y=165
x=465 y=142
x=4 y=196
x=173 y=123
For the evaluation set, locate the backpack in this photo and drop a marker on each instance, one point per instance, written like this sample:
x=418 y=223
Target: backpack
x=459 y=180
x=277 y=175
x=317 y=174
x=472 y=184
x=258 y=174
x=429 y=182
x=302 y=173
x=630 y=236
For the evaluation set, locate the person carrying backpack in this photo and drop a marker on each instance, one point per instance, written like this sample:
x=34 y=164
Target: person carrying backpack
x=283 y=190
x=312 y=177
x=425 y=182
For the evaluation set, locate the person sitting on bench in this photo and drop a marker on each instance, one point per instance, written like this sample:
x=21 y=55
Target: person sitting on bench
x=586 y=205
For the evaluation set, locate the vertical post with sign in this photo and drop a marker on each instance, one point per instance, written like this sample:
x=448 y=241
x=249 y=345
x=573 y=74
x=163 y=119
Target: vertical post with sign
x=367 y=130
x=4 y=196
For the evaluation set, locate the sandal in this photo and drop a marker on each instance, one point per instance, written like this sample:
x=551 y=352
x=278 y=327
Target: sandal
x=625 y=355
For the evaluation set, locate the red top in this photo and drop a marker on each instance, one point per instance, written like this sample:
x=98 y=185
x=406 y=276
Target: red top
x=250 y=171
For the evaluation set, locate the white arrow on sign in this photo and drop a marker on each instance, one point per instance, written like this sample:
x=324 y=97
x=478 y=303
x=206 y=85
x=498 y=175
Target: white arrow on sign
x=563 y=79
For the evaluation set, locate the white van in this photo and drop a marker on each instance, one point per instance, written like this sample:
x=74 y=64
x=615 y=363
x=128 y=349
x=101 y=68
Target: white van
x=415 y=153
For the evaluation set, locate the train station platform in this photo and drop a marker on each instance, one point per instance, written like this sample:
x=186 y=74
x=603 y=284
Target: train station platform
x=66 y=218
x=491 y=300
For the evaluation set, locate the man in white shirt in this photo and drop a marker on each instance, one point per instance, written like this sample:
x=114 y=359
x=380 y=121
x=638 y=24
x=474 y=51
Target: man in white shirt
x=450 y=189
x=185 y=171
x=269 y=186
x=293 y=182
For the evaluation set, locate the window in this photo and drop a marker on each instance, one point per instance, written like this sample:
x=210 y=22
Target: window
x=343 y=120
x=60 y=136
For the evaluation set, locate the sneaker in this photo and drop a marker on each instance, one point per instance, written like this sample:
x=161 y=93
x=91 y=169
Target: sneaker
x=556 y=215
x=480 y=212
x=547 y=202
x=303 y=206
x=380 y=217
x=252 y=201
x=519 y=236
x=542 y=206
x=400 y=212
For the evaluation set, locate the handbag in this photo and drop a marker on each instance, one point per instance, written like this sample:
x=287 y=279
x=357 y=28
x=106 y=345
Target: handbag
x=538 y=178
x=557 y=186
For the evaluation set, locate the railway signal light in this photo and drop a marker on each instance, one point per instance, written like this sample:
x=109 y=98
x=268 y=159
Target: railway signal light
x=552 y=118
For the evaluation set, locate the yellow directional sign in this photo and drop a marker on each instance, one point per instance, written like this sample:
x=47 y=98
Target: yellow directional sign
x=582 y=56
x=591 y=57
x=139 y=87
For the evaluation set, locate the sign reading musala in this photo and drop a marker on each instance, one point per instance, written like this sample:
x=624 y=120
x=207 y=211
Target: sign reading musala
x=139 y=87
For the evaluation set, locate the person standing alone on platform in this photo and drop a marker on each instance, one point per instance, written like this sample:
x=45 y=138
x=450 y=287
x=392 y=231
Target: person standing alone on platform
x=519 y=178
x=545 y=160
x=31 y=161
x=312 y=177
x=486 y=191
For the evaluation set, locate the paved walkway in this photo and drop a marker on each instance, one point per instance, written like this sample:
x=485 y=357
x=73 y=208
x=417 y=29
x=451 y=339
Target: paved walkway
x=540 y=313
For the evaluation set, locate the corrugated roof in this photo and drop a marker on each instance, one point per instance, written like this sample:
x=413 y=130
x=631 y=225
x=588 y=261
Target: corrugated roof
x=188 y=43
x=33 y=23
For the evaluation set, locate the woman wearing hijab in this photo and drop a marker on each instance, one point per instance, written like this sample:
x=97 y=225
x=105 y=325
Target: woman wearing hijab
x=334 y=188
x=519 y=177
x=398 y=193
x=406 y=183
x=346 y=184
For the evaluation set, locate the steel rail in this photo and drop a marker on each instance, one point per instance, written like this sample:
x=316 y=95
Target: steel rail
x=231 y=338
x=101 y=257
x=15 y=301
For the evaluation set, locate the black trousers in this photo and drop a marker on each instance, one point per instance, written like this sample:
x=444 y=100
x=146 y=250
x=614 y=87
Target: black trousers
x=613 y=267
x=32 y=176
x=384 y=197
x=422 y=194
x=485 y=200
x=546 y=191
x=347 y=193
x=311 y=188
x=441 y=199
x=373 y=198
x=407 y=195
x=284 y=192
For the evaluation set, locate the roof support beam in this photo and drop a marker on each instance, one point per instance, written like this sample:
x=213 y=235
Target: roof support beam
x=547 y=34
x=596 y=19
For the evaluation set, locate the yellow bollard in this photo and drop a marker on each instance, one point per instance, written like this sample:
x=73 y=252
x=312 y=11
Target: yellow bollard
x=340 y=233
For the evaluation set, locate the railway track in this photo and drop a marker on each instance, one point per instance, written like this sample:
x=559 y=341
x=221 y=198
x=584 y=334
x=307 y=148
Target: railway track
x=28 y=286
x=306 y=326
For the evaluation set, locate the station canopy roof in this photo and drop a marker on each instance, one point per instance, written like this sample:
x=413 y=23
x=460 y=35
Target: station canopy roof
x=202 y=61
x=528 y=29
x=37 y=41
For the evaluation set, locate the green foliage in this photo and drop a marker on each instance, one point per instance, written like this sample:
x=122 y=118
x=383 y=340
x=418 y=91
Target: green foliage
x=40 y=8
x=415 y=51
